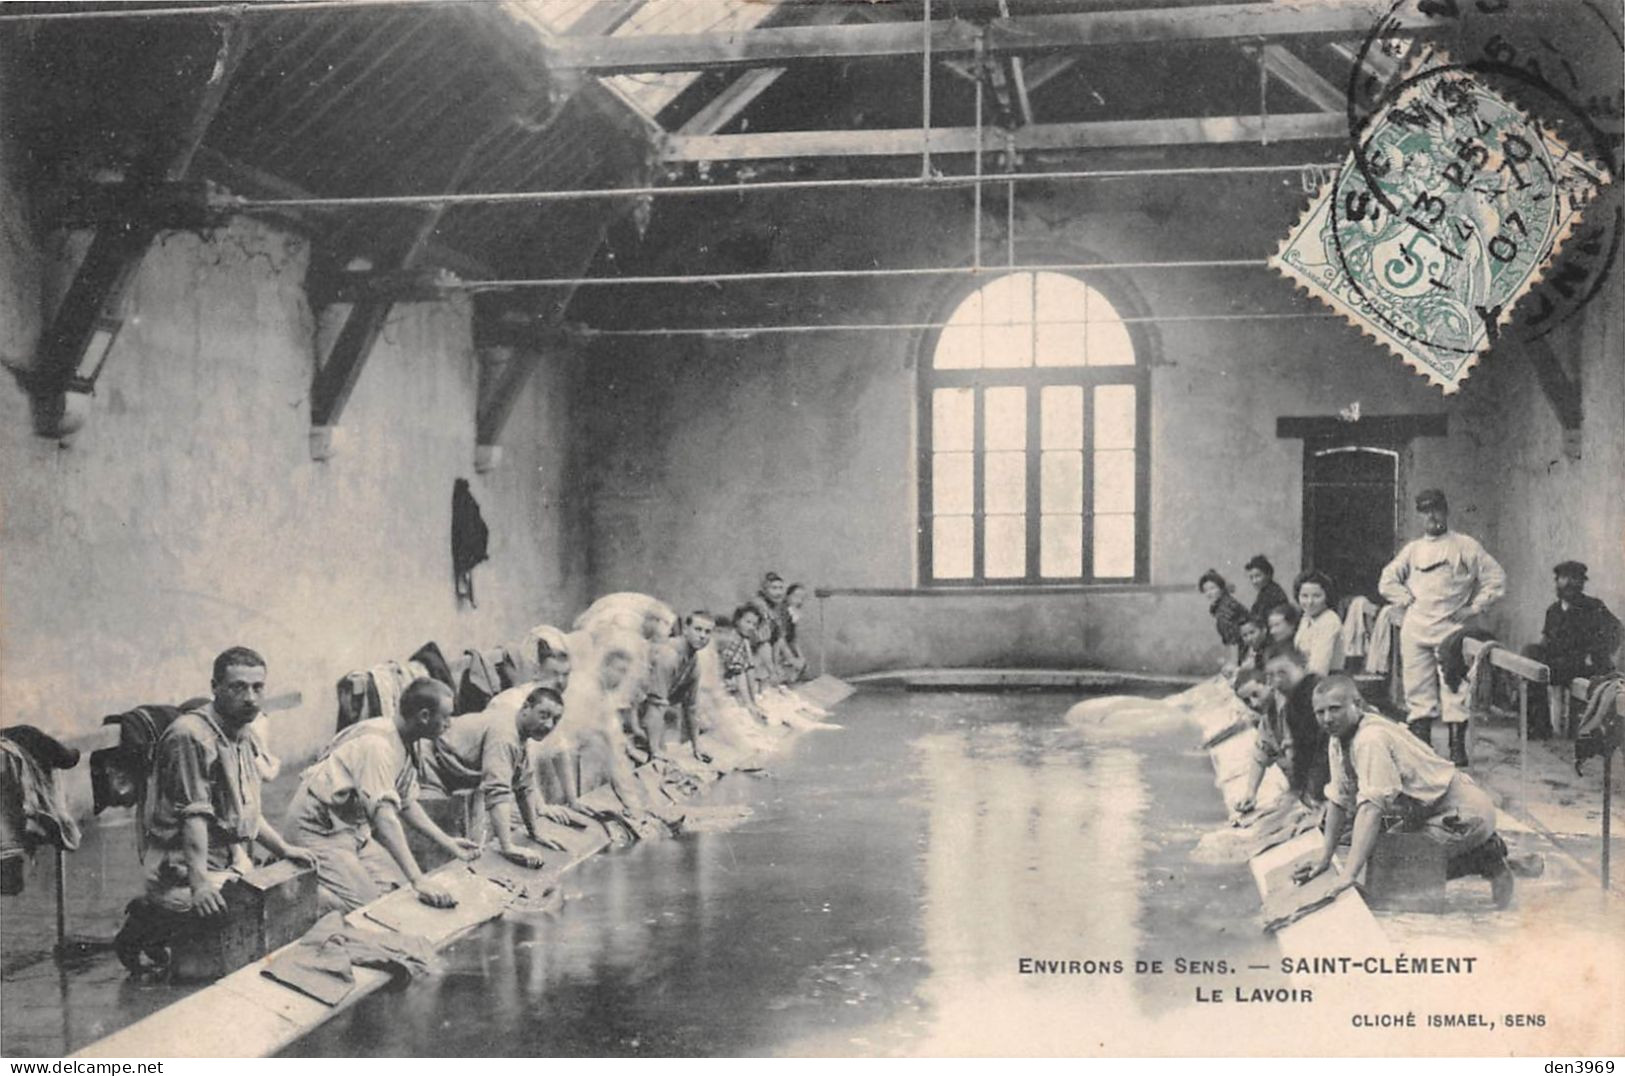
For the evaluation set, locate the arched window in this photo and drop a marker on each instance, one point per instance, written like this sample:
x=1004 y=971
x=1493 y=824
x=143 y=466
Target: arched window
x=1033 y=412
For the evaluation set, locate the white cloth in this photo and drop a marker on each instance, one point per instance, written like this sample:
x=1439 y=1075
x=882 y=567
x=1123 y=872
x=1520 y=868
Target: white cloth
x=1357 y=626
x=1380 y=647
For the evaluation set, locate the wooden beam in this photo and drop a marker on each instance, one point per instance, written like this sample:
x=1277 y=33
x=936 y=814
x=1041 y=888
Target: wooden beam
x=1283 y=64
x=722 y=109
x=252 y=182
x=1563 y=393
x=1377 y=427
x=1046 y=68
x=777 y=46
x=1041 y=137
x=96 y=295
x=337 y=377
x=1510 y=660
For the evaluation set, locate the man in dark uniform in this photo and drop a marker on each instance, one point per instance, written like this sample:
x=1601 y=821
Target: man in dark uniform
x=1578 y=639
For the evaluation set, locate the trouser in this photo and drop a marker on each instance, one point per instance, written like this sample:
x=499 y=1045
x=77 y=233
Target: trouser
x=1426 y=696
x=352 y=868
x=1462 y=822
x=168 y=877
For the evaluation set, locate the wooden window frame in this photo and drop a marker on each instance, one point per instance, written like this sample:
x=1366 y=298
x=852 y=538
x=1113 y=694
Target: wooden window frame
x=1033 y=379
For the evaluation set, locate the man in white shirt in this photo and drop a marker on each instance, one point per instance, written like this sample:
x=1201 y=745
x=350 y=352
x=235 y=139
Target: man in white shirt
x=1440 y=580
x=1378 y=770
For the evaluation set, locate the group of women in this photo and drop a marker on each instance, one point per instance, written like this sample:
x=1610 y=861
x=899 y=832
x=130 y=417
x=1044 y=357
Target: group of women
x=1307 y=618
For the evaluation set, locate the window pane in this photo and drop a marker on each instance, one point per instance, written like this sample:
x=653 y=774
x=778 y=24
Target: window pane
x=959 y=347
x=1062 y=482
x=1108 y=342
x=1062 y=546
x=1004 y=418
x=1061 y=407
x=1005 y=345
x=1007 y=321
x=952 y=483
x=1004 y=482
x=1114 y=481
x=953 y=420
x=1114 y=547
x=1061 y=300
x=1114 y=416
x=1004 y=549
x=951 y=547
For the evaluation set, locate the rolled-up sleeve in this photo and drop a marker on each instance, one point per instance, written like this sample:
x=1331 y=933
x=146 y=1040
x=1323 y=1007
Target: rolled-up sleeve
x=376 y=778
x=503 y=765
x=183 y=766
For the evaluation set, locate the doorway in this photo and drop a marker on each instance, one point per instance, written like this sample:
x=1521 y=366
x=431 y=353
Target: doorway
x=1350 y=513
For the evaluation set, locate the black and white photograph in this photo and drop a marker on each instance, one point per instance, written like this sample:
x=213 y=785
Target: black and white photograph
x=862 y=529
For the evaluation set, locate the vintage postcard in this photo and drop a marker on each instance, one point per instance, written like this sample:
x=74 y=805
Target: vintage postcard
x=811 y=528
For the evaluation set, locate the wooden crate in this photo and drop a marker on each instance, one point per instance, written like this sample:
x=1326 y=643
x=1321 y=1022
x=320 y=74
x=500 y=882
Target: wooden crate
x=270 y=907
x=1404 y=867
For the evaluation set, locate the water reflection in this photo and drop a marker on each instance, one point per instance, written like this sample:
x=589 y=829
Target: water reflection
x=877 y=901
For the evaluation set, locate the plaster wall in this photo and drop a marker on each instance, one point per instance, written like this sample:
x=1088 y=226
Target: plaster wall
x=187 y=514
x=713 y=459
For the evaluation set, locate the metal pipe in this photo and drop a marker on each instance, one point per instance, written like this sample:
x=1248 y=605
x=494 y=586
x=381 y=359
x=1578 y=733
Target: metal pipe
x=384 y=201
x=976 y=205
x=770 y=330
x=1607 y=813
x=1523 y=742
x=823 y=640
x=839 y=274
x=256 y=7
x=925 y=96
x=61 y=900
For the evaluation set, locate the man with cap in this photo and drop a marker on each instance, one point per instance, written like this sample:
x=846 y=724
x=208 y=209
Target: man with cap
x=1439 y=580
x=1578 y=639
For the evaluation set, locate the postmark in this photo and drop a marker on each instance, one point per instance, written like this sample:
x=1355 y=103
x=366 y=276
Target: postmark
x=1440 y=220
x=1562 y=64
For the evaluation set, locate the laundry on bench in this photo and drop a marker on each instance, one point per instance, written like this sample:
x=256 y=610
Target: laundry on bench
x=32 y=810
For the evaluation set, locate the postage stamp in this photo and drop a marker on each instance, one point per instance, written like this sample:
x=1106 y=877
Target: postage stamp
x=1440 y=220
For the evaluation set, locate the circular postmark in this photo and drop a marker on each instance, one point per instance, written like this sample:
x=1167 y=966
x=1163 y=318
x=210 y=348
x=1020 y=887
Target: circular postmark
x=1559 y=67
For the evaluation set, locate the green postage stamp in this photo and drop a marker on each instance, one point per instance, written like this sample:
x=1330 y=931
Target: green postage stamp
x=1443 y=216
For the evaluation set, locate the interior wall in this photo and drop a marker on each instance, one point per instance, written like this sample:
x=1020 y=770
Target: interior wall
x=187 y=515
x=714 y=459
x=1558 y=507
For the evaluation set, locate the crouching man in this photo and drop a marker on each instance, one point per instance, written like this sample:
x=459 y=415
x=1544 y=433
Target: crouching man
x=489 y=751
x=674 y=680
x=202 y=813
x=1378 y=768
x=353 y=799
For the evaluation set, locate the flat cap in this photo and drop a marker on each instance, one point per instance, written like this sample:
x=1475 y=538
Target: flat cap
x=1431 y=498
x=1571 y=568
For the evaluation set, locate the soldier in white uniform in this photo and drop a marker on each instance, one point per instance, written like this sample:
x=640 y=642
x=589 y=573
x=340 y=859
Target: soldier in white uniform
x=1440 y=580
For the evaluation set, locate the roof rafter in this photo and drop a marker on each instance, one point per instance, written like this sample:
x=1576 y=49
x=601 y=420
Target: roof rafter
x=1203 y=130
x=1019 y=35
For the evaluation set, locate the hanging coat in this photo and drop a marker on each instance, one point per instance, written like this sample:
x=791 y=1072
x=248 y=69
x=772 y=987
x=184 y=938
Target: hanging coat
x=469 y=538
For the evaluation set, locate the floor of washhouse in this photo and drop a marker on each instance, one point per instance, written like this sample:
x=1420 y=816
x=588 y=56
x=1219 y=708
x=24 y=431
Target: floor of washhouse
x=947 y=873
